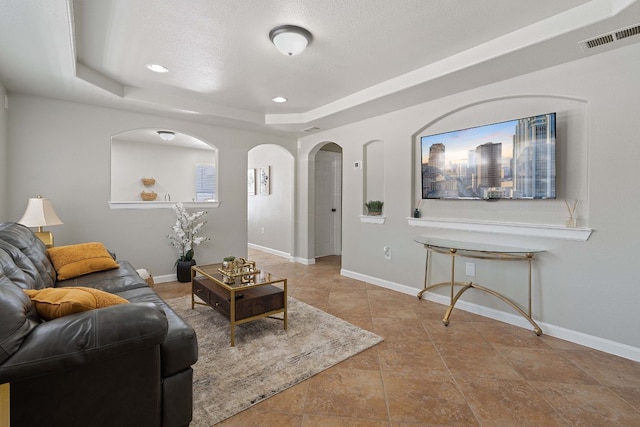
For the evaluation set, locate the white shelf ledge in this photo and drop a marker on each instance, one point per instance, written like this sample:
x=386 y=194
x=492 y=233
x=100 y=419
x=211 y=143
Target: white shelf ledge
x=373 y=219
x=511 y=228
x=159 y=205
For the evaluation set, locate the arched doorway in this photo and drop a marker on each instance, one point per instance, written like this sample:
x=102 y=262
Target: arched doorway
x=328 y=201
x=270 y=210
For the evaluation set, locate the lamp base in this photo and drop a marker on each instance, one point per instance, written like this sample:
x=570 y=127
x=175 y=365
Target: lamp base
x=46 y=237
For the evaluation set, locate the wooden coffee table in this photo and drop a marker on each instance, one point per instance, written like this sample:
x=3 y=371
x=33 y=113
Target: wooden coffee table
x=254 y=300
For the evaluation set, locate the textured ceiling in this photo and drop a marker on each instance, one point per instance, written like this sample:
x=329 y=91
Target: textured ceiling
x=366 y=57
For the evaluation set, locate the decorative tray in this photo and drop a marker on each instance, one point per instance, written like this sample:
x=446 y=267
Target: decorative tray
x=239 y=267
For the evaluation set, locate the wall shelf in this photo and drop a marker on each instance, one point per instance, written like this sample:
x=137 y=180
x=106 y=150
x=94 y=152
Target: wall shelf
x=510 y=228
x=373 y=219
x=159 y=205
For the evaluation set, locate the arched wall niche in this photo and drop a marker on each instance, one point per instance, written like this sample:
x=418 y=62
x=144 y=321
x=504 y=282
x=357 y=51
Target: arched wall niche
x=174 y=167
x=373 y=171
x=572 y=150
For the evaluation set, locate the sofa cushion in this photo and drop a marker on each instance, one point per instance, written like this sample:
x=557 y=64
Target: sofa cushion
x=26 y=241
x=180 y=347
x=17 y=317
x=52 y=303
x=114 y=281
x=77 y=260
x=18 y=268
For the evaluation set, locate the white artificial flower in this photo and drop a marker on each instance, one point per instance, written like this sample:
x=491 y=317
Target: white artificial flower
x=184 y=232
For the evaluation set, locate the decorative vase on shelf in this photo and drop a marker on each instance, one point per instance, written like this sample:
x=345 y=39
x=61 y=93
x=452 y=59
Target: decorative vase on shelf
x=183 y=270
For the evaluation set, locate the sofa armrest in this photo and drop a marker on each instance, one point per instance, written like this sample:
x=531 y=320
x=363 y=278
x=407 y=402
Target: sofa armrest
x=86 y=338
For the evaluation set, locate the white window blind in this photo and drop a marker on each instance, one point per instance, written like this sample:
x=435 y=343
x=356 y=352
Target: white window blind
x=206 y=182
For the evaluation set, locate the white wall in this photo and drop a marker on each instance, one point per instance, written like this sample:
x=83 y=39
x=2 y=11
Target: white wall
x=62 y=150
x=4 y=146
x=270 y=216
x=579 y=287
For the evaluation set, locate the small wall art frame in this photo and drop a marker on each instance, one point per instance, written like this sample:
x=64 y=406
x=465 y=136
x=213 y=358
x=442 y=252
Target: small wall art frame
x=251 y=182
x=264 y=180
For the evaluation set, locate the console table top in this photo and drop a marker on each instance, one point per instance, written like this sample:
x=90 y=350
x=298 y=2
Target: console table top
x=463 y=245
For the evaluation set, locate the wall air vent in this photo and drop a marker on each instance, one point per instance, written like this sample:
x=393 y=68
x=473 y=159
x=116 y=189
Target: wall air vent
x=311 y=129
x=610 y=38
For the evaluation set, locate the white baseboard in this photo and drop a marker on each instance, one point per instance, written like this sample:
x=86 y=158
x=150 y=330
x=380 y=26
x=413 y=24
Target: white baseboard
x=271 y=251
x=608 y=346
x=165 y=278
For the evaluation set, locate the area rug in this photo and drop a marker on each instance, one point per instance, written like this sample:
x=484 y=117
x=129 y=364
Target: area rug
x=266 y=359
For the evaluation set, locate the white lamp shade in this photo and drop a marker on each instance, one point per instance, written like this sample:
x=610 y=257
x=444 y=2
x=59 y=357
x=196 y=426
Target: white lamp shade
x=39 y=213
x=290 y=39
x=290 y=43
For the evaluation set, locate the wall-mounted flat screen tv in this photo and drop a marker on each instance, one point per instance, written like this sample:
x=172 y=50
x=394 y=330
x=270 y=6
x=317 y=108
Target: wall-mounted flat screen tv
x=508 y=160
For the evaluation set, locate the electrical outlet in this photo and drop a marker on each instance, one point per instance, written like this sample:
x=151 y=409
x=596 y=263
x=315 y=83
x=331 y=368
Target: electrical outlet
x=471 y=269
x=262 y=230
x=387 y=252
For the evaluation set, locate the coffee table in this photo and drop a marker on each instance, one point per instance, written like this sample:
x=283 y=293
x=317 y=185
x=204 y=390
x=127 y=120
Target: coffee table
x=256 y=299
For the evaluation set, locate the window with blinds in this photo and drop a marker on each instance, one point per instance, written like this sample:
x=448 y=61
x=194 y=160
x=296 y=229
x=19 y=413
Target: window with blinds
x=206 y=182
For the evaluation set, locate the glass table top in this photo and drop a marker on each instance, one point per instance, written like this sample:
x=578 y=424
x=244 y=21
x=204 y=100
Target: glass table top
x=258 y=279
x=472 y=246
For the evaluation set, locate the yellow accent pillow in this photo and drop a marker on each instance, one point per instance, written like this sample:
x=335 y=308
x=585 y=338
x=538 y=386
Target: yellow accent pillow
x=52 y=303
x=77 y=260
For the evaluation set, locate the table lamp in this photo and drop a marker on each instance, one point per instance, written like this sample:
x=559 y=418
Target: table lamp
x=40 y=213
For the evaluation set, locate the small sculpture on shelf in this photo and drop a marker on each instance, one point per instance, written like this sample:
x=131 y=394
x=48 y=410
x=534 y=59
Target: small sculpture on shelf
x=233 y=267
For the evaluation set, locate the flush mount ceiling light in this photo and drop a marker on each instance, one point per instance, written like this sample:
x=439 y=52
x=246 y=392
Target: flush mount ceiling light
x=279 y=99
x=157 y=68
x=167 y=135
x=290 y=39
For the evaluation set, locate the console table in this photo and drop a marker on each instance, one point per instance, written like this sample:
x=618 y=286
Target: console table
x=457 y=248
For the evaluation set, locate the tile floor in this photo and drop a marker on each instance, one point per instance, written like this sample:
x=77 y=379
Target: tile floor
x=475 y=372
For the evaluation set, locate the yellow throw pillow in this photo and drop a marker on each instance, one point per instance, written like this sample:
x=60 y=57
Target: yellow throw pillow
x=52 y=303
x=77 y=260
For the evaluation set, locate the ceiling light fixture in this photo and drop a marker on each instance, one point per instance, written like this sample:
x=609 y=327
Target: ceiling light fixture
x=279 y=99
x=290 y=39
x=157 y=68
x=167 y=135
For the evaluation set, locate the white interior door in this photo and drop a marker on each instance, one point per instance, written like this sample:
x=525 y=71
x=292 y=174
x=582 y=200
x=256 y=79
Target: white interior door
x=328 y=208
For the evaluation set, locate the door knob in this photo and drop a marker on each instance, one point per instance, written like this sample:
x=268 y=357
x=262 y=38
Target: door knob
x=333 y=210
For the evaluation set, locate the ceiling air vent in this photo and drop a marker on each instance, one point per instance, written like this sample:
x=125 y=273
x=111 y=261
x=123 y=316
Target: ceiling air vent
x=311 y=129
x=628 y=32
x=611 y=37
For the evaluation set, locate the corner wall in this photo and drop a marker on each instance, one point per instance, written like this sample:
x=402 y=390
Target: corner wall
x=582 y=290
x=4 y=149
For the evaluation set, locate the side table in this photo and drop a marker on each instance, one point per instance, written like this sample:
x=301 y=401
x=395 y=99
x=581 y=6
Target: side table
x=456 y=248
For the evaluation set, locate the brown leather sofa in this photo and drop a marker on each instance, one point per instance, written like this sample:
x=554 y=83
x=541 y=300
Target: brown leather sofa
x=123 y=365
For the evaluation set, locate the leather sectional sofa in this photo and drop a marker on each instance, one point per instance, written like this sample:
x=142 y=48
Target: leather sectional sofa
x=122 y=365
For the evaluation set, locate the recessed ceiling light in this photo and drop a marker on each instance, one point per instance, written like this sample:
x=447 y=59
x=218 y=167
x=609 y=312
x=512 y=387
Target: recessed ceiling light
x=279 y=99
x=157 y=68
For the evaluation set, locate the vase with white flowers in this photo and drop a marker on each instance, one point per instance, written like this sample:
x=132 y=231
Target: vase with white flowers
x=185 y=238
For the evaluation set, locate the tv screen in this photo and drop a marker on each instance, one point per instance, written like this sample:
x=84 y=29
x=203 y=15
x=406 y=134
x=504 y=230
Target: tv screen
x=515 y=159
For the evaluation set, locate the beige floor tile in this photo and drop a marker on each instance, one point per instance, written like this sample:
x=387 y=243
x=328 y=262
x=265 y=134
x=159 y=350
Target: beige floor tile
x=543 y=364
x=329 y=421
x=415 y=399
x=588 y=405
x=497 y=402
x=347 y=393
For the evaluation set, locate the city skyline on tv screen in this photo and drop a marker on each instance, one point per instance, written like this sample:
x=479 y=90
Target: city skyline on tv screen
x=514 y=159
